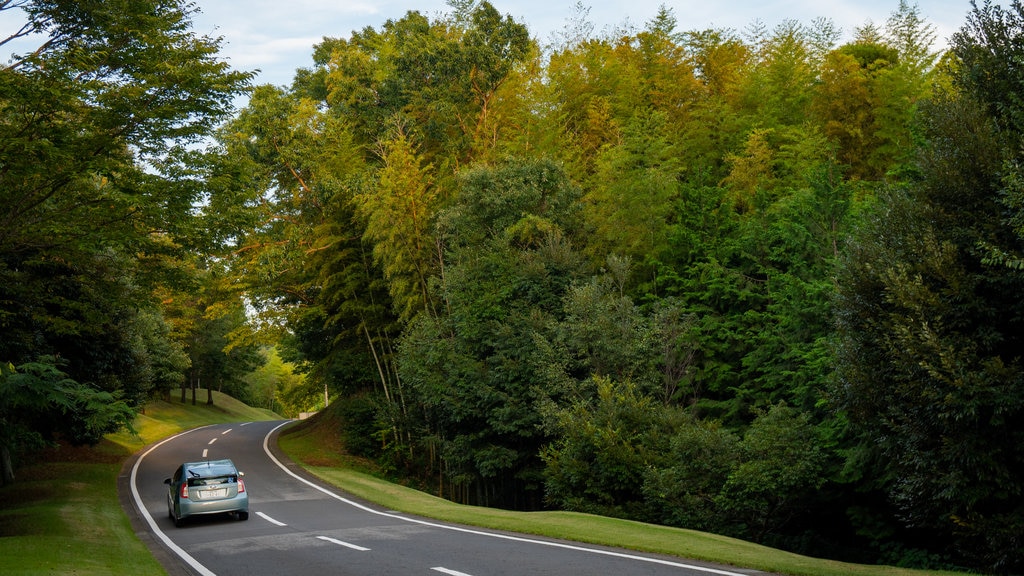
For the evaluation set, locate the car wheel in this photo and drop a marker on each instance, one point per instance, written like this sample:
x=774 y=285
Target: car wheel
x=243 y=515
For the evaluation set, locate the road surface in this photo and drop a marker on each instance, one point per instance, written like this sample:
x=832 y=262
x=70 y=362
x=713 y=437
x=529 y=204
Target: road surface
x=299 y=526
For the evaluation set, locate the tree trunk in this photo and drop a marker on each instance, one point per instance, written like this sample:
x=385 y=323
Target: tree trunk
x=209 y=395
x=6 y=465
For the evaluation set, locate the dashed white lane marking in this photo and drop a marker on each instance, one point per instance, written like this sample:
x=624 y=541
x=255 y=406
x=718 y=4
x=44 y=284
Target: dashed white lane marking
x=212 y=441
x=226 y=431
x=269 y=519
x=205 y=452
x=340 y=543
x=449 y=572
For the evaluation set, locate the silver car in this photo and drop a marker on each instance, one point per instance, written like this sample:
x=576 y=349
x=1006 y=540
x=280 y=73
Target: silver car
x=208 y=487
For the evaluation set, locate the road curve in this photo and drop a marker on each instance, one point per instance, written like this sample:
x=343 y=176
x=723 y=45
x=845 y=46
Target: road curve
x=300 y=526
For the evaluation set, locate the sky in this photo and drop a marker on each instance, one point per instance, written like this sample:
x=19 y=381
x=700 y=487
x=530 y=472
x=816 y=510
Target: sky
x=277 y=36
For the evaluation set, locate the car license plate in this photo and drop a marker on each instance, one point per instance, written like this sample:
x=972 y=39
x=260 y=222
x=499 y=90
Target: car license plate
x=213 y=493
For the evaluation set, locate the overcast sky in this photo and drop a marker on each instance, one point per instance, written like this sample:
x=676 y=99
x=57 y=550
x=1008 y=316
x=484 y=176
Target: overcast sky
x=277 y=36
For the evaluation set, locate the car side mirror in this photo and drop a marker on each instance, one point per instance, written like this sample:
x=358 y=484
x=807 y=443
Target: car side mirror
x=167 y=481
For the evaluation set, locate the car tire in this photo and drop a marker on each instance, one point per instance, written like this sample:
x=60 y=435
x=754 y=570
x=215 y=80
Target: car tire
x=243 y=515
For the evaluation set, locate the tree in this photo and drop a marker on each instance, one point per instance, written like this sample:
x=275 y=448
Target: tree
x=684 y=490
x=38 y=392
x=634 y=184
x=470 y=371
x=398 y=213
x=77 y=116
x=930 y=373
x=604 y=444
x=218 y=360
x=440 y=76
x=847 y=103
x=781 y=463
x=96 y=126
x=987 y=47
x=779 y=86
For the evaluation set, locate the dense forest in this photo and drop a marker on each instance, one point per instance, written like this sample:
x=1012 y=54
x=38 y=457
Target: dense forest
x=764 y=283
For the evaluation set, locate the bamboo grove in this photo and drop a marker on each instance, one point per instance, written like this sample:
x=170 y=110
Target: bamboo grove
x=764 y=283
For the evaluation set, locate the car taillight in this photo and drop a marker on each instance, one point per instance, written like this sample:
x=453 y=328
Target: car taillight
x=184 y=489
x=241 y=486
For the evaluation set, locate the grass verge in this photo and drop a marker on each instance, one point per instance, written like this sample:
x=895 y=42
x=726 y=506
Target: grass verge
x=316 y=449
x=62 y=515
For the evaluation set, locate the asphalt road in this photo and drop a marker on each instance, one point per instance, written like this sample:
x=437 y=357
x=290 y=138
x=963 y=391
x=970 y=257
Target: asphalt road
x=302 y=527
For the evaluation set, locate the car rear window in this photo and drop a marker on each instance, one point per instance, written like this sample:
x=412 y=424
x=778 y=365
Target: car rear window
x=212 y=481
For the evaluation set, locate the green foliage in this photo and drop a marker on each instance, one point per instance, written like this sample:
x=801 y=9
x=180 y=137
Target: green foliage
x=987 y=43
x=782 y=463
x=603 y=447
x=217 y=363
x=272 y=384
x=617 y=453
x=684 y=491
x=38 y=392
x=470 y=369
x=398 y=213
x=929 y=364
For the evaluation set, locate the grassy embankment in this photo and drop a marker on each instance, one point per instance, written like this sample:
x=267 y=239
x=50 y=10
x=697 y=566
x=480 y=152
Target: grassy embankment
x=62 y=516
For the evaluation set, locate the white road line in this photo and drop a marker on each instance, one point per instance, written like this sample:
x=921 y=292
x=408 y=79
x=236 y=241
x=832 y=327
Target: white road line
x=202 y=570
x=205 y=452
x=226 y=431
x=449 y=572
x=269 y=519
x=266 y=448
x=345 y=544
x=212 y=441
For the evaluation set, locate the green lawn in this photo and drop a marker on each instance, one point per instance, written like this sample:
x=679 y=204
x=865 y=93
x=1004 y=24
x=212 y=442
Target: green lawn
x=63 y=516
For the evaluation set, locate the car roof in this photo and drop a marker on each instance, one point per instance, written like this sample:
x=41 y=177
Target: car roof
x=211 y=468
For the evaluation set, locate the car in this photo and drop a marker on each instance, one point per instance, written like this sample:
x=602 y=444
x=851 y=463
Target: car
x=207 y=487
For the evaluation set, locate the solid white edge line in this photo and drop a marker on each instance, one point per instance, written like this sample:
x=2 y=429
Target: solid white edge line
x=266 y=448
x=345 y=544
x=269 y=519
x=202 y=570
